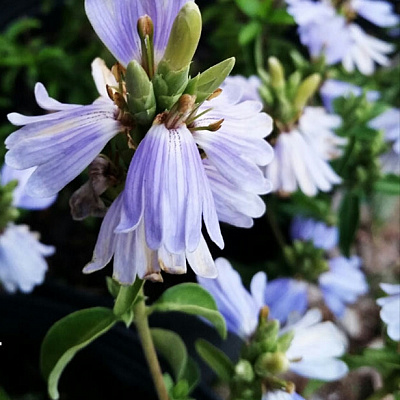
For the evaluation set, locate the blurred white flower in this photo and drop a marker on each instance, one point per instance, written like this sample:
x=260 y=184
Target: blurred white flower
x=390 y=312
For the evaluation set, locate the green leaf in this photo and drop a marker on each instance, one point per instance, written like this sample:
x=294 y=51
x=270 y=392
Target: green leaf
x=250 y=7
x=69 y=335
x=349 y=215
x=191 y=374
x=216 y=359
x=249 y=32
x=209 y=80
x=170 y=345
x=281 y=17
x=192 y=299
x=4 y=395
x=389 y=184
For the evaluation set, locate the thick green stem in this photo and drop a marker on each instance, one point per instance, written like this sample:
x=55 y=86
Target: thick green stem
x=143 y=329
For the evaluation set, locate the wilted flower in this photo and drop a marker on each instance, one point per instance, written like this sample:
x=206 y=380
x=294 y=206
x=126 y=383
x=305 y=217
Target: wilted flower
x=326 y=32
x=301 y=154
x=170 y=189
x=22 y=263
x=315 y=346
x=390 y=312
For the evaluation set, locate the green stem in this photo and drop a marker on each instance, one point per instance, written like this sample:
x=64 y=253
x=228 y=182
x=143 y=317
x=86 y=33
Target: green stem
x=142 y=325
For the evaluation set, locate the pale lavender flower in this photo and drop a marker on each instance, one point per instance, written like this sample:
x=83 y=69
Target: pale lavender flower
x=301 y=154
x=22 y=263
x=115 y=24
x=283 y=296
x=390 y=312
x=326 y=32
x=170 y=190
x=61 y=144
x=323 y=236
x=389 y=123
x=281 y=395
x=250 y=86
x=20 y=198
x=333 y=88
x=342 y=284
x=380 y=13
x=316 y=344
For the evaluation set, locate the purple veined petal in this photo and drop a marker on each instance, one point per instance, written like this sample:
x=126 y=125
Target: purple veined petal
x=234 y=206
x=115 y=24
x=258 y=287
x=233 y=300
x=61 y=150
x=201 y=261
x=133 y=257
x=105 y=245
x=47 y=103
x=249 y=86
x=102 y=76
x=237 y=169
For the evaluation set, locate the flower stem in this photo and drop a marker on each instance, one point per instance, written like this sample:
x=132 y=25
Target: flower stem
x=143 y=329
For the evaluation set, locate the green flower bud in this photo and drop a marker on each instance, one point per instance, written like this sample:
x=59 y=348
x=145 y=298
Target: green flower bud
x=271 y=364
x=277 y=73
x=184 y=37
x=244 y=371
x=141 y=99
x=306 y=90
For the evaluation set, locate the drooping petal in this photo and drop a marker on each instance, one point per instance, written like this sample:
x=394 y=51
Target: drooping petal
x=166 y=182
x=233 y=300
x=61 y=147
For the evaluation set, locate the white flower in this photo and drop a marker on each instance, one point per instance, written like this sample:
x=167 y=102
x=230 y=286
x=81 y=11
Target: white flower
x=301 y=154
x=316 y=345
x=22 y=263
x=390 y=312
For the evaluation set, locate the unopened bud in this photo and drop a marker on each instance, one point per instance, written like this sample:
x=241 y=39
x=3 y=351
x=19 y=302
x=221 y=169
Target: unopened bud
x=285 y=341
x=277 y=73
x=271 y=364
x=306 y=90
x=145 y=27
x=184 y=37
x=244 y=371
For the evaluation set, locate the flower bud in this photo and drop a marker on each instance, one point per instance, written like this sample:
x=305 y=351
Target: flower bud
x=271 y=364
x=277 y=73
x=141 y=99
x=306 y=90
x=184 y=37
x=244 y=371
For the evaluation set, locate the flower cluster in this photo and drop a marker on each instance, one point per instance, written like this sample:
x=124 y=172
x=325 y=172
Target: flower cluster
x=332 y=33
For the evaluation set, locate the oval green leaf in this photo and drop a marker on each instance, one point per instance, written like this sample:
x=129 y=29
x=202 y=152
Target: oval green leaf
x=191 y=298
x=216 y=359
x=66 y=337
